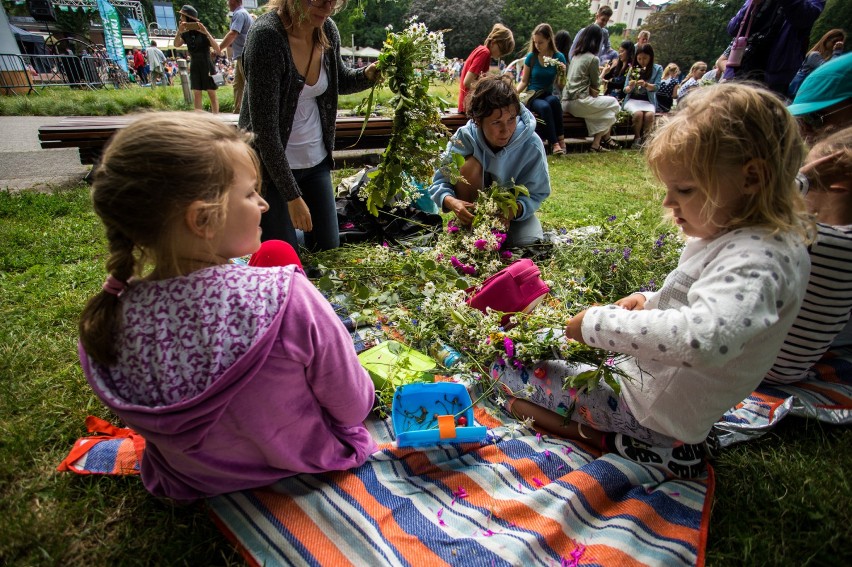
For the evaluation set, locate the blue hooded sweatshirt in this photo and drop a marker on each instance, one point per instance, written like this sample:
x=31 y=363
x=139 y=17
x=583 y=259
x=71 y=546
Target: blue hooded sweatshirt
x=521 y=162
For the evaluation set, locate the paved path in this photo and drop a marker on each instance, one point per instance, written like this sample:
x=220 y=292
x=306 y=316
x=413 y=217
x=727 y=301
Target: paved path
x=24 y=165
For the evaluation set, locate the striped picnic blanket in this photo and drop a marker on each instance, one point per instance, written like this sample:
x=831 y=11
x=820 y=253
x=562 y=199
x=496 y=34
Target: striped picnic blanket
x=826 y=395
x=517 y=498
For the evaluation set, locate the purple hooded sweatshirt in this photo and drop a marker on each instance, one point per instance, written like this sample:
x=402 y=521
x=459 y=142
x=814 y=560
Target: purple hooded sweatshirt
x=236 y=377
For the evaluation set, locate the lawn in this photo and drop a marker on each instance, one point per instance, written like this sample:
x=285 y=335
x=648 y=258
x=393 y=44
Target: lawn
x=781 y=500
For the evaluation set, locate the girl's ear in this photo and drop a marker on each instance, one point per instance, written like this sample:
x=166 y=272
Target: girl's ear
x=197 y=218
x=755 y=176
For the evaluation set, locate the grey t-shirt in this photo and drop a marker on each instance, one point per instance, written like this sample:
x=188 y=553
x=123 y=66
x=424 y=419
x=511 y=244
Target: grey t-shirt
x=240 y=22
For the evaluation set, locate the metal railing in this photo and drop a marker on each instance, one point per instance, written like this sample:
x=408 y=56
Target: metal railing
x=23 y=74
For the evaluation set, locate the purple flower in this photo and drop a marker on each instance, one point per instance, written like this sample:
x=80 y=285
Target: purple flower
x=626 y=253
x=385 y=244
x=469 y=270
x=509 y=346
x=499 y=236
x=596 y=251
x=480 y=244
x=452 y=228
x=611 y=218
x=659 y=242
x=506 y=254
x=455 y=262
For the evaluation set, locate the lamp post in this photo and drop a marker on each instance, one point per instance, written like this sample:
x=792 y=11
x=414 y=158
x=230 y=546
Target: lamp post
x=352 y=59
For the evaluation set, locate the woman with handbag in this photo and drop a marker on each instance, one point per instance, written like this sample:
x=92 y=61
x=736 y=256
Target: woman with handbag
x=581 y=95
x=545 y=67
x=199 y=42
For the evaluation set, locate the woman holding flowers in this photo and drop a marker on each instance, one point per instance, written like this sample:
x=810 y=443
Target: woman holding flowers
x=641 y=93
x=294 y=74
x=581 y=95
x=616 y=72
x=499 y=147
x=545 y=67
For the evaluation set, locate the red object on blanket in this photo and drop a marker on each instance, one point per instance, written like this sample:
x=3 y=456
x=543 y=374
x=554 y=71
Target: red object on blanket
x=275 y=253
x=117 y=451
x=516 y=288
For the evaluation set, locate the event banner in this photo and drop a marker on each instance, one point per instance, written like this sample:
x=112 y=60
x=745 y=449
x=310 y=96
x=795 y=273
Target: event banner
x=140 y=31
x=112 y=33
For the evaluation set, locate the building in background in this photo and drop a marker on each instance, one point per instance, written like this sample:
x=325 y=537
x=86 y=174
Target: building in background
x=632 y=13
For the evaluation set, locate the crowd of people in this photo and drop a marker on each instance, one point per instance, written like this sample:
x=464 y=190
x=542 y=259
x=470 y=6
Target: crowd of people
x=758 y=292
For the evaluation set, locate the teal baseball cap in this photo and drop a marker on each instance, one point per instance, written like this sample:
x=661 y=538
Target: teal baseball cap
x=827 y=85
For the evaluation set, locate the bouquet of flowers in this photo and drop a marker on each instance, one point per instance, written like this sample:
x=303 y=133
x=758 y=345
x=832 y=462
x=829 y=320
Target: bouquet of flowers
x=417 y=134
x=478 y=249
x=636 y=72
x=560 y=67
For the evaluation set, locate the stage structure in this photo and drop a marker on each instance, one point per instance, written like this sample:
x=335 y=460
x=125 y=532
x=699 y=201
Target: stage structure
x=134 y=6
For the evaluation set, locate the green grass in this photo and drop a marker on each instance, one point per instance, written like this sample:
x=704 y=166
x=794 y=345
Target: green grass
x=64 y=101
x=781 y=500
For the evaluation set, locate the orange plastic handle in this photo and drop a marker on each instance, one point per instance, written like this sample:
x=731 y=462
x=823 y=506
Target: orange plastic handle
x=446 y=426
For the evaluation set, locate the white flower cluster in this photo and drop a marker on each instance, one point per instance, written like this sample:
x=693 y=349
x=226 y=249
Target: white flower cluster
x=430 y=44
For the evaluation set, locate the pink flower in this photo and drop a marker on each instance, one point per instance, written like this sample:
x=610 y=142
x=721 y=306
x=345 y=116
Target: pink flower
x=499 y=236
x=451 y=228
x=480 y=244
x=469 y=270
x=348 y=225
x=610 y=361
x=439 y=257
x=509 y=346
x=506 y=254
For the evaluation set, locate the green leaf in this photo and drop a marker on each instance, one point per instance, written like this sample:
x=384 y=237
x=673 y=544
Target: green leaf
x=325 y=283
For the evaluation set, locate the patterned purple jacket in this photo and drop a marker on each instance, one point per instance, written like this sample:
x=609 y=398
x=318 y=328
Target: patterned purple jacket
x=236 y=377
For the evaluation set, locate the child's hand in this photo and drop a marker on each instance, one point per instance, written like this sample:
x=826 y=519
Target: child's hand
x=633 y=302
x=574 y=327
x=462 y=209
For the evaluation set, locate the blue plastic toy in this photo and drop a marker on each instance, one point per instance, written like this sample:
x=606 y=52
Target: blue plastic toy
x=431 y=414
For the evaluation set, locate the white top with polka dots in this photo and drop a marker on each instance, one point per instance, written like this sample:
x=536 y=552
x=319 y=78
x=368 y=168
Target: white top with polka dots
x=704 y=341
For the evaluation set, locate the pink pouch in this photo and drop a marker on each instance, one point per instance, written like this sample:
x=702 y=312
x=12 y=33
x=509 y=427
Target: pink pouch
x=517 y=288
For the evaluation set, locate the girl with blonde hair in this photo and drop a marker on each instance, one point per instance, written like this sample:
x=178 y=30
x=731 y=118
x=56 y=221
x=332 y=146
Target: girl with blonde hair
x=704 y=340
x=236 y=376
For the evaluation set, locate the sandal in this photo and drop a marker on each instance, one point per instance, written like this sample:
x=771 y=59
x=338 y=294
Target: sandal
x=558 y=150
x=611 y=144
x=599 y=149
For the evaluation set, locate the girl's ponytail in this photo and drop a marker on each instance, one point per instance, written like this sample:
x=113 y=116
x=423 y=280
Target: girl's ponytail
x=99 y=320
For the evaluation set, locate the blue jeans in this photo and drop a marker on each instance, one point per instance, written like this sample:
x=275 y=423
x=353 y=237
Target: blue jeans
x=549 y=109
x=315 y=184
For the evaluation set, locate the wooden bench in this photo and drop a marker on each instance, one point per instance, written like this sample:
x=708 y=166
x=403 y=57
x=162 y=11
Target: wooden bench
x=90 y=134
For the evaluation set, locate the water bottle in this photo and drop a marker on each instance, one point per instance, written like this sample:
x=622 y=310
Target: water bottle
x=444 y=354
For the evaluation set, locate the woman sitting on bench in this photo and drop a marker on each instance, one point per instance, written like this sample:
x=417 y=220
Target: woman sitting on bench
x=581 y=95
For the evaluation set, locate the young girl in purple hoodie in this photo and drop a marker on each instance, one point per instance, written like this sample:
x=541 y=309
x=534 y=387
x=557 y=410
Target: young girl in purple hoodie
x=236 y=376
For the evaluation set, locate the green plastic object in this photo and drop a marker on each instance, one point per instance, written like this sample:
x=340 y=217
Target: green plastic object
x=396 y=363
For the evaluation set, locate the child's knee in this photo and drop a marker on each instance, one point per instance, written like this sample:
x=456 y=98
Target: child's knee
x=471 y=170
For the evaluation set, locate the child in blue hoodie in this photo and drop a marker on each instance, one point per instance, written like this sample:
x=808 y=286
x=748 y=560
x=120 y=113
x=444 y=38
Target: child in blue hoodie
x=500 y=146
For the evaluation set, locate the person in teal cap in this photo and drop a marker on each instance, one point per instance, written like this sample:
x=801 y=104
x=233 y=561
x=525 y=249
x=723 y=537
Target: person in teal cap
x=824 y=101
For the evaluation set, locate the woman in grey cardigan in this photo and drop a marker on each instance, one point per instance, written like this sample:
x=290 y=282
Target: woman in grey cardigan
x=294 y=73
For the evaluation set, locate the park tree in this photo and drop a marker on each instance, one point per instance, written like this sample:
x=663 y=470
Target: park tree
x=691 y=30
x=367 y=21
x=467 y=21
x=837 y=14
x=522 y=16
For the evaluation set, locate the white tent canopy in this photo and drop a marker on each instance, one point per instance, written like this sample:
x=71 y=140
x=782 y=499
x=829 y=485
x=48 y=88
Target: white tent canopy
x=367 y=52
